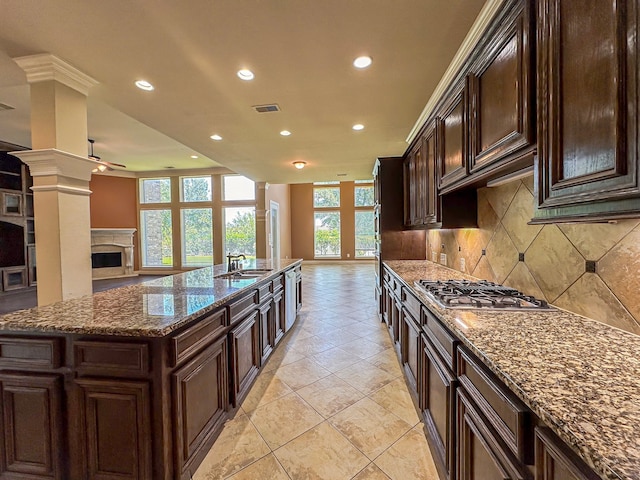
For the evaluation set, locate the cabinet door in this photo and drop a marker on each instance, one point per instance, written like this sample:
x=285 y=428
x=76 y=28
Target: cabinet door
x=587 y=110
x=431 y=200
x=279 y=317
x=501 y=94
x=554 y=460
x=452 y=151
x=437 y=402
x=408 y=167
x=481 y=456
x=245 y=356
x=298 y=290
x=267 y=331
x=116 y=428
x=201 y=397
x=31 y=425
x=410 y=350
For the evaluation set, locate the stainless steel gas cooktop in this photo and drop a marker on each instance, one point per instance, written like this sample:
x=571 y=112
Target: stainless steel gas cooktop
x=480 y=294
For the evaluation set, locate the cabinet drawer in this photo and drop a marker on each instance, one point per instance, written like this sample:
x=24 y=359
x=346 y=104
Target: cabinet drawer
x=504 y=411
x=411 y=303
x=111 y=358
x=30 y=352
x=443 y=341
x=277 y=284
x=554 y=460
x=264 y=292
x=194 y=338
x=239 y=309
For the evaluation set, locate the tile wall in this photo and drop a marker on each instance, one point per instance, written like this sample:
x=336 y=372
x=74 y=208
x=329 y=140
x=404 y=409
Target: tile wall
x=549 y=261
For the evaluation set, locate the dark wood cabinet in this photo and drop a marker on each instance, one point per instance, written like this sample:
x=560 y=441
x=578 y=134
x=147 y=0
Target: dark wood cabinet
x=245 y=356
x=32 y=426
x=555 y=461
x=279 y=316
x=481 y=455
x=588 y=104
x=452 y=152
x=410 y=339
x=267 y=331
x=116 y=427
x=501 y=95
x=437 y=403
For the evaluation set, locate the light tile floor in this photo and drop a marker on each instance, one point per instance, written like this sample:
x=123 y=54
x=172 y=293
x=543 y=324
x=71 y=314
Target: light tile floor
x=331 y=402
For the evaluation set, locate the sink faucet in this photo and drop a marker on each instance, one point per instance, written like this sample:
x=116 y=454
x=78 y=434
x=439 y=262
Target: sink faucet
x=233 y=261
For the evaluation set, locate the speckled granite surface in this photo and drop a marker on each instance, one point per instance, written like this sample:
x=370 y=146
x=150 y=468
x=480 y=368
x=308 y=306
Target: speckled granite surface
x=152 y=309
x=581 y=377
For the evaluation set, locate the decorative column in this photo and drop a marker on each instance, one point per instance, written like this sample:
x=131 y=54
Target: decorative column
x=61 y=173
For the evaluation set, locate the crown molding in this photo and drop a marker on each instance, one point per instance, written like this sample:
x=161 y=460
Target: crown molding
x=56 y=162
x=45 y=66
x=486 y=15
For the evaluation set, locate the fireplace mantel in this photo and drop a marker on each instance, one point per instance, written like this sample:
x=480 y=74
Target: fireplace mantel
x=113 y=240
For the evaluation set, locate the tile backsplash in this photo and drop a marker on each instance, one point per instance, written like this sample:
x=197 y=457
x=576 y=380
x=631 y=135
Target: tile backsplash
x=553 y=262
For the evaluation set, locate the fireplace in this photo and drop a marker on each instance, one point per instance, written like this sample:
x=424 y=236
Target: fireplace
x=112 y=252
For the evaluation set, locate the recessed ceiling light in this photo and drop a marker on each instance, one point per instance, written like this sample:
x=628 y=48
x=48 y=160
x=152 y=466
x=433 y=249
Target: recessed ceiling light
x=362 y=62
x=358 y=126
x=245 y=74
x=144 y=85
x=299 y=164
x=216 y=137
x=194 y=156
x=285 y=133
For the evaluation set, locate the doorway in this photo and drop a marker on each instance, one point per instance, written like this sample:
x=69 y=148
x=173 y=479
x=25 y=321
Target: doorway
x=274 y=229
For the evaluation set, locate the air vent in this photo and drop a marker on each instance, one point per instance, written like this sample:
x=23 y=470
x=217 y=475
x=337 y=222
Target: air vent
x=273 y=107
x=4 y=106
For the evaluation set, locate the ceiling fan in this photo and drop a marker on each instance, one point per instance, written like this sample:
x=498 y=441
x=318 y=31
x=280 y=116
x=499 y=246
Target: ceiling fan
x=104 y=165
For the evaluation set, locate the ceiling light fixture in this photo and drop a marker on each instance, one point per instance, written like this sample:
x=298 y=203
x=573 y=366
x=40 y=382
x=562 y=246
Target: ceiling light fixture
x=299 y=164
x=194 y=156
x=358 y=126
x=245 y=74
x=285 y=133
x=144 y=85
x=362 y=62
x=216 y=137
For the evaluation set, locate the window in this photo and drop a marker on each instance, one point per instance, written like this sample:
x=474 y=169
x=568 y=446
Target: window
x=156 y=238
x=197 y=236
x=195 y=189
x=326 y=197
x=240 y=231
x=326 y=234
x=155 y=190
x=363 y=196
x=237 y=187
x=364 y=234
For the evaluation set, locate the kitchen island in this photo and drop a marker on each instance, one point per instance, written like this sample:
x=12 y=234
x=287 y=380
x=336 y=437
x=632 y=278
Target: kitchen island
x=566 y=377
x=137 y=382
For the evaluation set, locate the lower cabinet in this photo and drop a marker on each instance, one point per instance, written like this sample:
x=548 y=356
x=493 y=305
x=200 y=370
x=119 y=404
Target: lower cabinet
x=267 y=331
x=279 y=316
x=481 y=455
x=201 y=399
x=410 y=350
x=31 y=426
x=437 y=403
x=555 y=461
x=245 y=356
x=115 y=419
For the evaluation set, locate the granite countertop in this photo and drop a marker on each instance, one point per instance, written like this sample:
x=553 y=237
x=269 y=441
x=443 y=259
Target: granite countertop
x=151 y=309
x=580 y=376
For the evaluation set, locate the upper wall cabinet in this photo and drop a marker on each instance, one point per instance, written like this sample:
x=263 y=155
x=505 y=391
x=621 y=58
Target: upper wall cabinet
x=420 y=194
x=587 y=110
x=452 y=138
x=501 y=95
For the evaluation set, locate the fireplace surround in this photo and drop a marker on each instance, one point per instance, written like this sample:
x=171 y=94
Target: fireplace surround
x=111 y=241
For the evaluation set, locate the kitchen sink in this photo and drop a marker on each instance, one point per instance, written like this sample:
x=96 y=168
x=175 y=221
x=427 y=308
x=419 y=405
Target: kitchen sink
x=244 y=274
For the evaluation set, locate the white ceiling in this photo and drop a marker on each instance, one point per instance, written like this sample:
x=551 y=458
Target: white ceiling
x=301 y=52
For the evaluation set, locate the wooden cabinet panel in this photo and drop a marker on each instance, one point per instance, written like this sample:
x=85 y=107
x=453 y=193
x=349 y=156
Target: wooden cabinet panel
x=279 y=315
x=437 y=402
x=188 y=342
x=116 y=428
x=481 y=456
x=32 y=426
x=452 y=151
x=267 y=331
x=16 y=352
x=506 y=413
x=245 y=356
x=588 y=110
x=555 y=461
x=441 y=338
x=111 y=358
x=501 y=94
x=429 y=180
x=201 y=397
x=410 y=349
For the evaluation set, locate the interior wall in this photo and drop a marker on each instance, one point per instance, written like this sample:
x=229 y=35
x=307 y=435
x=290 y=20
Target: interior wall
x=302 y=221
x=549 y=261
x=281 y=195
x=113 y=205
